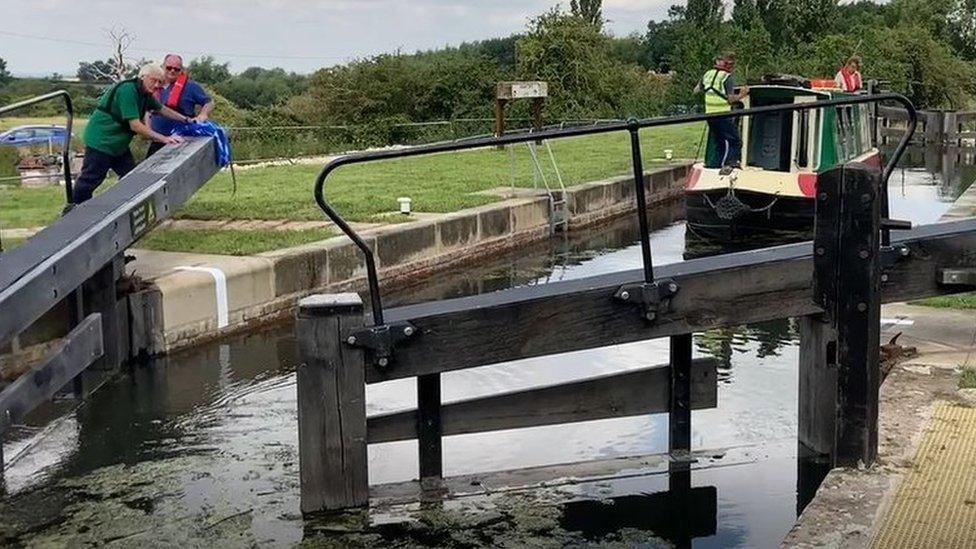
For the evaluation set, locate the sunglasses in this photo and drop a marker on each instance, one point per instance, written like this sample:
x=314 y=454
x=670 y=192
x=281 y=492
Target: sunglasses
x=175 y=69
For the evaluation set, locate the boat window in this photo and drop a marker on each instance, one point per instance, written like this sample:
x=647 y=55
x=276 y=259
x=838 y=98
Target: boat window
x=840 y=134
x=865 y=113
x=802 y=155
x=816 y=133
x=852 y=149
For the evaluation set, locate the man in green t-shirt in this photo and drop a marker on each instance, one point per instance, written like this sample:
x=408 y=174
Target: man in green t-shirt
x=116 y=120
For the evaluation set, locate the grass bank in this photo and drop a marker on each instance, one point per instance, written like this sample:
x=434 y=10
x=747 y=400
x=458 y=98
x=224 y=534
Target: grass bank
x=954 y=301
x=230 y=242
x=436 y=184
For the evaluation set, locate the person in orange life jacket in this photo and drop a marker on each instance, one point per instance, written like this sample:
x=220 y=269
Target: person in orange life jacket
x=848 y=78
x=117 y=119
x=720 y=96
x=180 y=94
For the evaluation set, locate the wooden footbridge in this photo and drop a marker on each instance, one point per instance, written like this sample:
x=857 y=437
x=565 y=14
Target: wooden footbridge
x=834 y=285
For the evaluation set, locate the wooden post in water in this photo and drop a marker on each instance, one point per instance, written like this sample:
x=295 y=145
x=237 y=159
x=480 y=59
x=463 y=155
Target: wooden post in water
x=331 y=404
x=844 y=350
x=429 y=430
x=679 y=414
x=934 y=121
x=817 y=407
x=951 y=129
x=101 y=296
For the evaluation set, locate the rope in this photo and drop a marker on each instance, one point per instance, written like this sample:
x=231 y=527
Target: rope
x=701 y=142
x=729 y=207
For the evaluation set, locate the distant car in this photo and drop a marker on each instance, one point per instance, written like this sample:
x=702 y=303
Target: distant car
x=24 y=136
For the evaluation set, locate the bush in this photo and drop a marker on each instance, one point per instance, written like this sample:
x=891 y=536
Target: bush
x=381 y=132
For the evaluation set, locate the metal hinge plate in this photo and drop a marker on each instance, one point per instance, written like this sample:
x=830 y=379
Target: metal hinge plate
x=653 y=298
x=381 y=340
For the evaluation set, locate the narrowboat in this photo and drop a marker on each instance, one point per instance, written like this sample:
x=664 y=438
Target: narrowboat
x=770 y=197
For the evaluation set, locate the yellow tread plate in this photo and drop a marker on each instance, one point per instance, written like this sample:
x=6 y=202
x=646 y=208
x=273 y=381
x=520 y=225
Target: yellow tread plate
x=936 y=504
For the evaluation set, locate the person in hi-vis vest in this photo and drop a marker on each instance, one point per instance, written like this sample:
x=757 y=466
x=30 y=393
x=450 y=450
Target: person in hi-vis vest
x=720 y=95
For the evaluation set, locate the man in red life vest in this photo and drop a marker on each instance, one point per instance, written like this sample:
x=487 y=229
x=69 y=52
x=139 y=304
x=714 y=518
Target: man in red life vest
x=182 y=95
x=848 y=78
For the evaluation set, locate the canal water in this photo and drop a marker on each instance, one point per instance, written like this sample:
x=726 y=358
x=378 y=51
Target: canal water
x=201 y=448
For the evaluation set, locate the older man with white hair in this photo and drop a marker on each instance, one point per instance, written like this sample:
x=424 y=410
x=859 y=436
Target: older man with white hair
x=116 y=120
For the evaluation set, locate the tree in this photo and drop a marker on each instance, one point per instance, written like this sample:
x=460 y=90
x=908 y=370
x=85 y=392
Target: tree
x=705 y=14
x=208 y=71
x=118 y=67
x=632 y=50
x=590 y=11
x=745 y=14
x=94 y=71
x=5 y=75
x=962 y=28
x=570 y=54
x=260 y=87
x=661 y=38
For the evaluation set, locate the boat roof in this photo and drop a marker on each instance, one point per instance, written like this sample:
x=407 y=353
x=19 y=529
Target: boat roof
x=780 y=89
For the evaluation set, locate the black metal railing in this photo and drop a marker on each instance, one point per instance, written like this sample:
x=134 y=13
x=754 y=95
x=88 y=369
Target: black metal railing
x=633 y=126
x=66 y=146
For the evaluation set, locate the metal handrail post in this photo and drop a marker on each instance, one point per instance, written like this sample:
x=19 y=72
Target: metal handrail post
x=645 y=237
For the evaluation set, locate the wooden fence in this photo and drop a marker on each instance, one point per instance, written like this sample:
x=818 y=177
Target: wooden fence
x=835 y=286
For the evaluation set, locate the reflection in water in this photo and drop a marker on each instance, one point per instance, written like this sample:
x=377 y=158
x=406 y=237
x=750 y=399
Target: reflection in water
x=204 y=443
x=771 y=337
x=678 y=515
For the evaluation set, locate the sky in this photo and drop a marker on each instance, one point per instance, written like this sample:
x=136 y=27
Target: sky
x=39 y=37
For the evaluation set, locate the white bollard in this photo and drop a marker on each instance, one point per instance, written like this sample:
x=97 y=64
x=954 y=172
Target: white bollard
x=404 y=205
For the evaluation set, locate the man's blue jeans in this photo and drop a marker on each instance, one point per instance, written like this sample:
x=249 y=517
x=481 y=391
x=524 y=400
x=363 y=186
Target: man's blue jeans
x=727 y=140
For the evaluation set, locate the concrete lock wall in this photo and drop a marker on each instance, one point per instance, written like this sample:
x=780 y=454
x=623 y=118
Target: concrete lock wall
x=217 y=295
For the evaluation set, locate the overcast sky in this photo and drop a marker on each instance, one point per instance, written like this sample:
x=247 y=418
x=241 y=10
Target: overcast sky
x=45 y=36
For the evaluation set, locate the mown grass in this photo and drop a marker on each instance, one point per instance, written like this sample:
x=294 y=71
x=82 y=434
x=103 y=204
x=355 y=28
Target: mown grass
x=35 y=207
x=229 y=242
x=437 y=184
x=954 y=301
